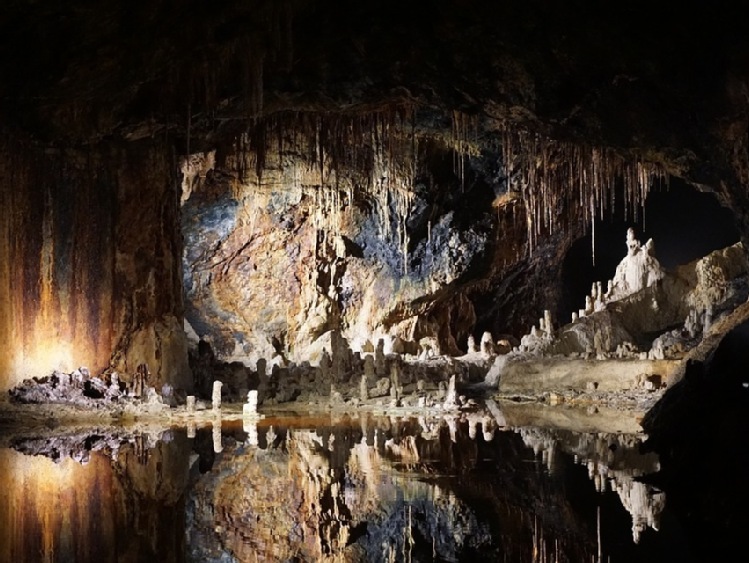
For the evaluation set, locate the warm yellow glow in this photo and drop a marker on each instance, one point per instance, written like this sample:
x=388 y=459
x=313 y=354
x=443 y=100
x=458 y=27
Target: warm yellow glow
x=46 y=356
x=36 y=499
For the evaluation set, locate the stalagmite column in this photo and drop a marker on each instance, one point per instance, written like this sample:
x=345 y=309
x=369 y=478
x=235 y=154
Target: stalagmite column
x=369 y=369
x=487 y=344
x=216 y=397
x=250 y=407
x=451 y=397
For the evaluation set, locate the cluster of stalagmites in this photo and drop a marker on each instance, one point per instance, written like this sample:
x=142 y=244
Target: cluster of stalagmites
x=336 y=376
x=643 y=299
x=82 y=389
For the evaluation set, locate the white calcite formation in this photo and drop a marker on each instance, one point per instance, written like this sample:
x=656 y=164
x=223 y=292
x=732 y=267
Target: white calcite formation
x=642 y=304
x=639 y=269
x=216 y=397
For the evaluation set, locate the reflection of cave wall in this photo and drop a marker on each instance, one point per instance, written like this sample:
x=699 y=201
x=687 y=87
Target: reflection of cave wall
x=127 y=510
x=685 y=225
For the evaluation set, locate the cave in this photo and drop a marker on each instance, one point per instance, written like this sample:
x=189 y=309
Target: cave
x=355 y=239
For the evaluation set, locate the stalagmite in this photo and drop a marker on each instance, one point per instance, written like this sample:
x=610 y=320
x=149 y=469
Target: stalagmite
x=451 y=398
x=363 y=388
x=325 y=365
x=549 y=327
x=216 y=397
x=190 y=403
x=369 y=369
x=487 y=344
x=250 y=407
x=250 y=427
x=380 y=364
x=471 y=345
x=264 y=381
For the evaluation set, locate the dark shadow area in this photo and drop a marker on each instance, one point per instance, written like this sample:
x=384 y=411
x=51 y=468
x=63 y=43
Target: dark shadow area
x=685 y=225
x=700 y=431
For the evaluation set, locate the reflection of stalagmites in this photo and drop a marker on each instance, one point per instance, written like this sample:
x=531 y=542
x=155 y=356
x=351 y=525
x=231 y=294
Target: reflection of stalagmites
x=441 y=390
x=472 y=348
x=270 y=436
x=217 y=446
x=452 y=425
x=487 y=428
x=191 y=429
x=216 y=397
x=250 y=427
x=487 y=344
x=363 y=388
x=420 y=386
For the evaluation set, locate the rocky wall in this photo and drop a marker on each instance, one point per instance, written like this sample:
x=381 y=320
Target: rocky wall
x=89 y=274
x=362 y=235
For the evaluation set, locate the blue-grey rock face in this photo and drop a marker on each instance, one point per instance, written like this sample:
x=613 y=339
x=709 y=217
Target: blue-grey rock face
x=275 y=260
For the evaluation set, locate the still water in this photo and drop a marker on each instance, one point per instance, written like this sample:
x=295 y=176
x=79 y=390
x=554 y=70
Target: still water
x=335 y=488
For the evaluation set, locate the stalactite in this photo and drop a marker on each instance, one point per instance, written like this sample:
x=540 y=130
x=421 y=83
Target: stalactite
x=547 y=172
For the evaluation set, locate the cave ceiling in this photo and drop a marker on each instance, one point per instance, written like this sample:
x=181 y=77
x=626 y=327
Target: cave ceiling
x=667 y=80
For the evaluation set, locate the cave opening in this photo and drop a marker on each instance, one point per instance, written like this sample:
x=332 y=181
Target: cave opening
x=684 y=223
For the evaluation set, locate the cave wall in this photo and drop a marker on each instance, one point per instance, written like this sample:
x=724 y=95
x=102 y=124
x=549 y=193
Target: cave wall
x=362 y=231
x=89 y=268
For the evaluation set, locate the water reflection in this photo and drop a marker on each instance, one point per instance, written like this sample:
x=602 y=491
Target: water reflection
x=369 y=488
